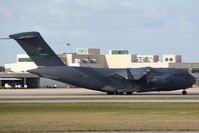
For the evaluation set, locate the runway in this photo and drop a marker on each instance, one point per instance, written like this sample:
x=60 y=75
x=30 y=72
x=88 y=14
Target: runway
x=101 y=101
x=80 y=92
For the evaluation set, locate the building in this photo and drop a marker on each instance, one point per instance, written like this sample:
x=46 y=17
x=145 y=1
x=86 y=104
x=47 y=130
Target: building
x=23 y=64
x=16 y=74
x=18 y=80
x=147 y=58
x=171 y=58
x=86 y=57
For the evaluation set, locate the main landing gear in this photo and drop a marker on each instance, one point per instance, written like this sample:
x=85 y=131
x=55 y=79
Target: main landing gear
x=110 y=93
x=184 y=92
x=119 y=93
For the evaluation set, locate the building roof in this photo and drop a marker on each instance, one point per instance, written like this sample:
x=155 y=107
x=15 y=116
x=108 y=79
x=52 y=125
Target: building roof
x=17 y=75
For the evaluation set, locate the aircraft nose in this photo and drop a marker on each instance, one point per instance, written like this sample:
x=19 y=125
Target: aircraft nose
x=192 y=80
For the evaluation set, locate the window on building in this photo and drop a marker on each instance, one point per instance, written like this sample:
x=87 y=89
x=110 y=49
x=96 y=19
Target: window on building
x=144 y=59
x=166 y=59
x=85 y=61
x=93 y=61
x=195 y=70
x=171 y=59
x=119 y=52
x=24 y=60
x=82 y=51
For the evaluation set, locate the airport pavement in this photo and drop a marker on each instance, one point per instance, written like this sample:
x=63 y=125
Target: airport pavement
x=102 y=101
x=80 y=92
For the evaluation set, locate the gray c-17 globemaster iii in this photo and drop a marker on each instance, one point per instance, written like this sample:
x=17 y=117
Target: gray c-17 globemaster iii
x=111 y=81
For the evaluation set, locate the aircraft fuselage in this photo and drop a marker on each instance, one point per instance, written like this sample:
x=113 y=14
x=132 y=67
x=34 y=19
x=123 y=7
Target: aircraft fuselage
x=102 y=79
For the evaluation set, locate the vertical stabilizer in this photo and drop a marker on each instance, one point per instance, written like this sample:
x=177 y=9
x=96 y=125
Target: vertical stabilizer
x=37 y=49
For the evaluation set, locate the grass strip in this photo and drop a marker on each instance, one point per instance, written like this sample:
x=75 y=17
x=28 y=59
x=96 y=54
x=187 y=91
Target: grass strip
x=49 y=117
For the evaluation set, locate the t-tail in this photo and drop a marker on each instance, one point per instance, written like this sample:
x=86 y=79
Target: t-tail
x=37 y=49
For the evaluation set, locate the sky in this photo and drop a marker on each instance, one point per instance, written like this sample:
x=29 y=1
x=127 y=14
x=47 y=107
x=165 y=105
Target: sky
x=142 y=26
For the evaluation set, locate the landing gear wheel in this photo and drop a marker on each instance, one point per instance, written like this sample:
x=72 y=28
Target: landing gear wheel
x=184 y=92
x=110 y=93
x=119 y=93
x=129 y=93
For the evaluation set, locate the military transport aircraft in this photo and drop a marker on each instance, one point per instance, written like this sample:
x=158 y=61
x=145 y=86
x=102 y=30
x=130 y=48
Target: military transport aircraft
x=112 y=81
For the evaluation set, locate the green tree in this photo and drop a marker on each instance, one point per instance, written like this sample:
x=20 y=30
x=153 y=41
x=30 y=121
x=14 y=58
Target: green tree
x=2 y=69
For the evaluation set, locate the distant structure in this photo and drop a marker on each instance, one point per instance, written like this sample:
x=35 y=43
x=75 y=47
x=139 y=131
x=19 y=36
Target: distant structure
x=91 y=57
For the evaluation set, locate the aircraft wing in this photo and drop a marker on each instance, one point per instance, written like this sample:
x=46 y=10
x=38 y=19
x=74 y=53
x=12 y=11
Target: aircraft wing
x=132 y=74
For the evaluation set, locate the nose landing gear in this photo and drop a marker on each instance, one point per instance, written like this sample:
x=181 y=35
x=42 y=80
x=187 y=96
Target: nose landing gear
x=184 y=92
